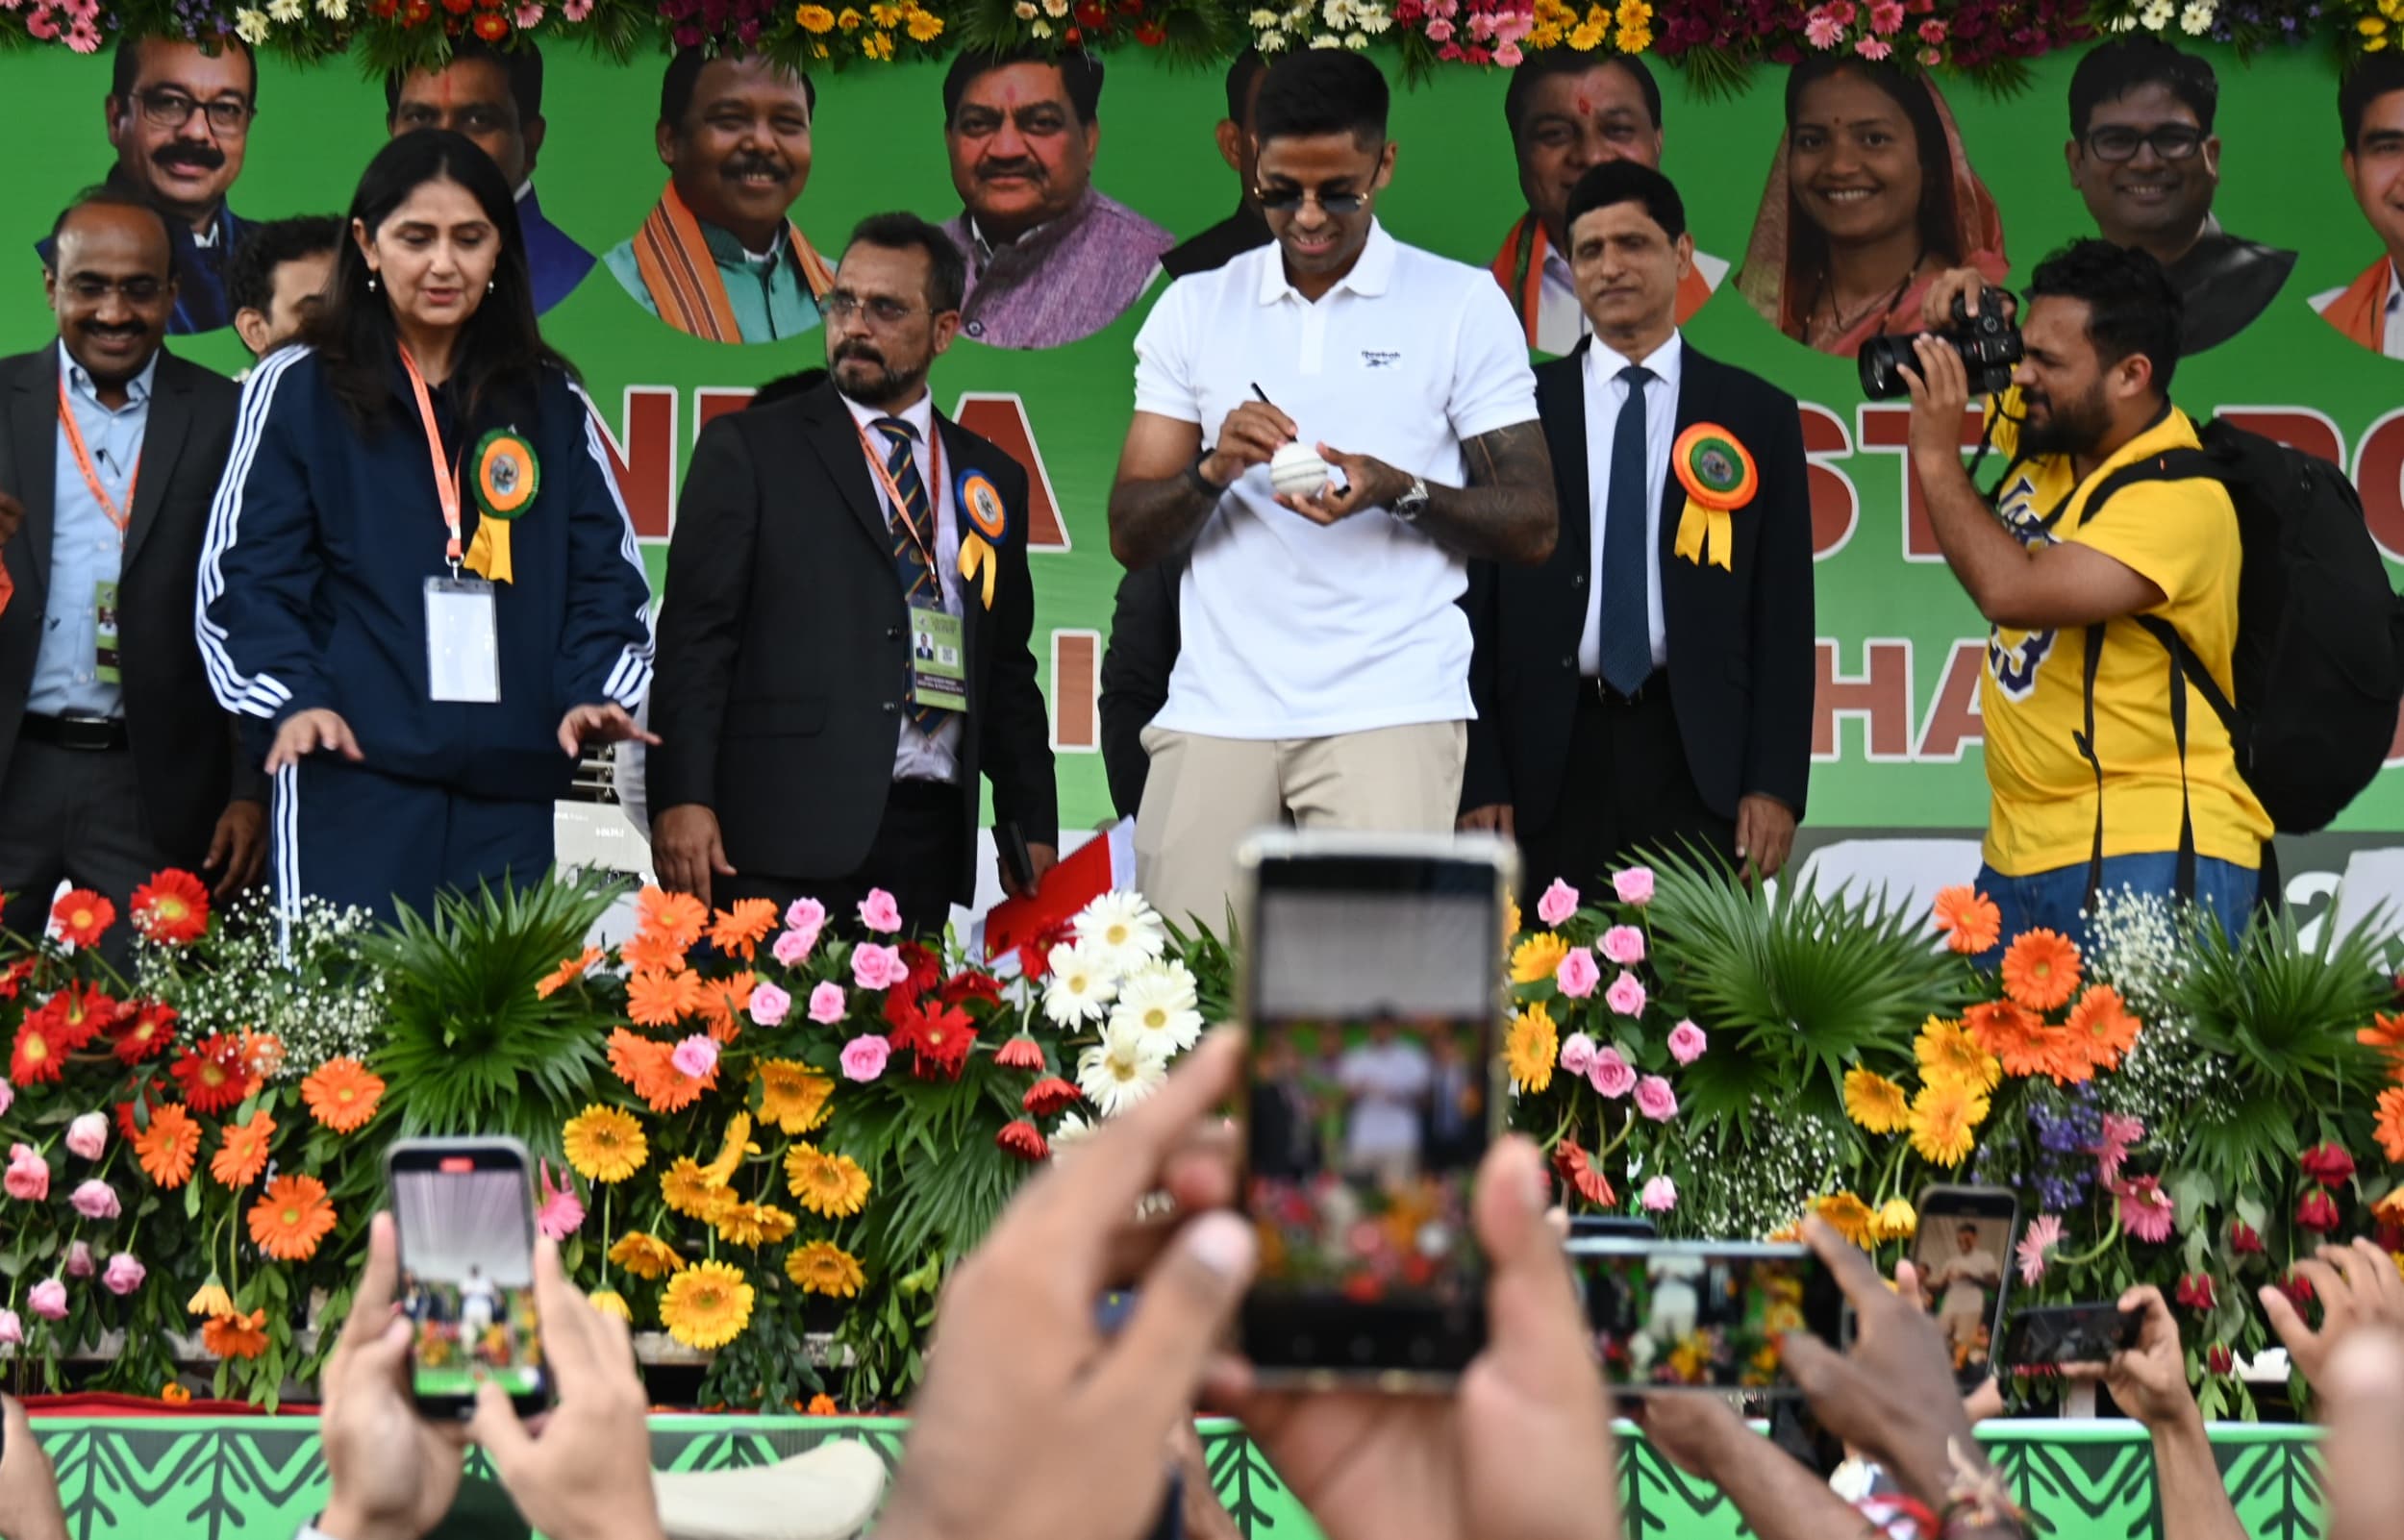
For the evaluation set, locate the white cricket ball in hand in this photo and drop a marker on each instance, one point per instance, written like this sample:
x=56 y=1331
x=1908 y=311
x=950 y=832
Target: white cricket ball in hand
x=1297 y=471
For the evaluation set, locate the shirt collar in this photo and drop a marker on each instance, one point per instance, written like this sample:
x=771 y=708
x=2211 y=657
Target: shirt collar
x=79 y=381
x=525 y=191
x=919 y=415
x=1372 y=271
x=2396 y=288
x=1603 y=364
x=1050 y=232
x=731 y=252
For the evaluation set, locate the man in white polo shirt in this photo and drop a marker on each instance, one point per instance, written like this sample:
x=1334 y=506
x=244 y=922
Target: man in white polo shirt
x=1324 y=667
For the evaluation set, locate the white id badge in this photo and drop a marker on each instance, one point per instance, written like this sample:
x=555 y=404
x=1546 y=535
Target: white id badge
x=462 y=652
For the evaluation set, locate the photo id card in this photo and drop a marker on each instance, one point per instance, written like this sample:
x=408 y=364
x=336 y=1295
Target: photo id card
x=938 y=662
x=462 y=650
x=106 y=664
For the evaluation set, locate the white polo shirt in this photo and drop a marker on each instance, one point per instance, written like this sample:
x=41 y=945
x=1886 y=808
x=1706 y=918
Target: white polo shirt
x=1292 y=629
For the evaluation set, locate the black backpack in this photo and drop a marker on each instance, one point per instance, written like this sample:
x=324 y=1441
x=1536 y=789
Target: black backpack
x=2318 y=667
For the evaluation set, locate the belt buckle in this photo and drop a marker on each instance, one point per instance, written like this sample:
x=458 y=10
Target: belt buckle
x=86 y=735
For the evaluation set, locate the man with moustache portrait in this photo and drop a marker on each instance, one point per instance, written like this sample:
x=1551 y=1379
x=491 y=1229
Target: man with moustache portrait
x=179 y=118
x=720 y=256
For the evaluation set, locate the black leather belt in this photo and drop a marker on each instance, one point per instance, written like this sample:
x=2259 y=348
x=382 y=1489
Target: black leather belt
x=1592 y=689
x=86 y=735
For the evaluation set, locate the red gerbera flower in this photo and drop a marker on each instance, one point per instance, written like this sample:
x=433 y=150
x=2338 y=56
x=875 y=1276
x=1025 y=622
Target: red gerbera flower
x=40 y=1053
x=172 y=907
x=13 y=977
x=1577 y=1169
x=1023 y=1139
x=214 y=1077
x=1049 y=1095
x=82 y=915
x=1021 y=1053
x=81 y=1011
x=145 y=1034
x=974 y=984
x=940 y=1041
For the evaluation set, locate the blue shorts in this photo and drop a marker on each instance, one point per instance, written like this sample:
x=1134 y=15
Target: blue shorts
x=2053 y=901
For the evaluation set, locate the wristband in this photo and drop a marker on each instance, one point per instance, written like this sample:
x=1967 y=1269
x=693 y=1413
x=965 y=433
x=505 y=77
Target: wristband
x=1203 y=483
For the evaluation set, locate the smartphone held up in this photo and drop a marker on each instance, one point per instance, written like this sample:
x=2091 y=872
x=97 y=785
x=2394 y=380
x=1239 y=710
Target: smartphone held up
x=1702 y=1315
x=464 y=1210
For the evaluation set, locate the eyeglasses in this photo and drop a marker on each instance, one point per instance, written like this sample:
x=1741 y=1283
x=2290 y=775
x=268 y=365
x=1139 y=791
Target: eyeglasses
x=172 y=110
x=842 y=304
x=2172 y=141
x=137 y=291
x=1286 y=200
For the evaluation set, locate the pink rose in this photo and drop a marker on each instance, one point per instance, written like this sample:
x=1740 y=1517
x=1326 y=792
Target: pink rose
x=87 y=1135
x=878 y=967
x=1558 y=903
x=1611 y=1074
x=1625 y=995
x=79 y=1262
x=770 y=1003
x=807 y=916
x=696 y=1055
x=8 y=1097
x=12 y=1329
x=826 y=1004
x=1687 y=1042
x=791 y=947
x=879 y=912
x=1634 y=885
x=47 y=1299
x=28 y=1177
x=864 y=1057
x=1659 y=1196
x=1655 y=1099
x=95 y=1200
x=1623 y=944
x=124 y=1275
x=1577 y=1055
x=1577 y=975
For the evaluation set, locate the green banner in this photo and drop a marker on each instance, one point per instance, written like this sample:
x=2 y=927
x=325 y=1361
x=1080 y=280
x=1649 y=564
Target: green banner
x=1899 y=645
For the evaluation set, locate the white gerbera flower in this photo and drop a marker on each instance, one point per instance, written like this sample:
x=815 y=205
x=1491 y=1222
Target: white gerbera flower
x=1123 y=930
x=251 y=26
x=1073 y=1130
x=286 y=9
x=2195 y=17
x=1120 y=1071
x=1079 y=985
x=1159 y=1003
x=334 y=9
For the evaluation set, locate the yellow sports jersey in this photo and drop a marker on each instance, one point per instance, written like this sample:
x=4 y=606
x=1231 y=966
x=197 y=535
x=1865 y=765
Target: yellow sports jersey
x=2183 y=537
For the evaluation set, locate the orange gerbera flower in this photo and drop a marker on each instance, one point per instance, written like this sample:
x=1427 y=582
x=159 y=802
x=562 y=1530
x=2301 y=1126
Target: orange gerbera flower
x=342 y=1094
x=2040 y=970
x=657 y=953
x=291 y=1218
x=168 y=1147
x=262 y=1055
x=648 y=1068
x=678 y=917
x=2013 y=1034
x=567 y=973
x=740 y=929
x=2102 y=1024
x=2391 y=1128
x=243 y=1153
x=1969 y=920
x=235 y=1336
x=723 y=1002
x=657 y=999
x=2386 y=1033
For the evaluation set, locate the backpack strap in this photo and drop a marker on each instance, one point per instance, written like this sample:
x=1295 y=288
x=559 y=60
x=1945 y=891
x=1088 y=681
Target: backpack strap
x=2084 y=738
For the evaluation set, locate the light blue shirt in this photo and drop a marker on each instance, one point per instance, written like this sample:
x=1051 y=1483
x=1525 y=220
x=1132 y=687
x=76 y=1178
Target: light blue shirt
x=86 y=547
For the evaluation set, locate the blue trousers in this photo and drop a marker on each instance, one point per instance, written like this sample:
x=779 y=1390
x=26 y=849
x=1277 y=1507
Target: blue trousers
x=347 y=835
x=2052 y=901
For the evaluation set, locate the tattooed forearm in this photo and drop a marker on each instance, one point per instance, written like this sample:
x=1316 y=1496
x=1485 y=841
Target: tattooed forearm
x=1506 y=512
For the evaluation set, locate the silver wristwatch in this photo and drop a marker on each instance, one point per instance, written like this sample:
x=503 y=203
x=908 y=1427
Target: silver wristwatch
x=1412 y=504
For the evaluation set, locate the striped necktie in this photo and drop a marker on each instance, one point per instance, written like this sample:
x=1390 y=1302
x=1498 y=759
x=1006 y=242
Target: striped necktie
x=909 y=549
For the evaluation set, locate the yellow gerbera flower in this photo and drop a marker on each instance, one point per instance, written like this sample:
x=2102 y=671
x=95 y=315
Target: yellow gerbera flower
x=1532 y=1046
x=688 y=1190
x=1875 y=1101
x=610 y=1301
x=212 y=1300
x=737 y=1145
x=604 y=1144
x=755 y=1225
x=1945 y=1118
x=925 y=26
x=832 y=1186
x=646 y=1256
x=1536 y=957
x=814 y=18
x=1947 y=1052
x=822 y=1267
x=1847 y=1215
x=1895 y=1219
x=793 y=1096
x=707 y=1306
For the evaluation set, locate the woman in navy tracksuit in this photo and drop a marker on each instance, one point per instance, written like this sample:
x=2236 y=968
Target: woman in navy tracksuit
x=420 y=720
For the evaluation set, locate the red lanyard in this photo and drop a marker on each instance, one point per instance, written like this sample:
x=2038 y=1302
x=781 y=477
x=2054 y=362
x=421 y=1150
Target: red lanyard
x=445 y=479
x=117 y=516
x=901 y=504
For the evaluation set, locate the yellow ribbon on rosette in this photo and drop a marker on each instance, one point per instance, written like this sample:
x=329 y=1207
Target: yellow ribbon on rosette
x=507 y=477
x=1719 y=478
x=980 y=559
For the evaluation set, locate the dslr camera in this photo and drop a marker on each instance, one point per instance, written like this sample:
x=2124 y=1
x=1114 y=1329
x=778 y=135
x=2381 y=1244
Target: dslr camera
x=1988 y=344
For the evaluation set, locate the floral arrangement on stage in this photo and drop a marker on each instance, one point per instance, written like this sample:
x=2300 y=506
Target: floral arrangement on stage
x=2175 y=1108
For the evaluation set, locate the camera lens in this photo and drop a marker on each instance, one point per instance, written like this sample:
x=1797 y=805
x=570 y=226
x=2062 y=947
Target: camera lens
x=1881 y=360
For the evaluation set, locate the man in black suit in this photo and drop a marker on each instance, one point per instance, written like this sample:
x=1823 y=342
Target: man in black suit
x=1650 y=686
x=806 y=748
x=115 y=759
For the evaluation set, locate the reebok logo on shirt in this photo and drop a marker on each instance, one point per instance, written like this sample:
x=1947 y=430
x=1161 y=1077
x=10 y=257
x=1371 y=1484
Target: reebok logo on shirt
x=1379 y=358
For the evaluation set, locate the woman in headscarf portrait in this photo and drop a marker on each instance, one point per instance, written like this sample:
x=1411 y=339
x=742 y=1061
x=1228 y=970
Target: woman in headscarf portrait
x=1871 y=197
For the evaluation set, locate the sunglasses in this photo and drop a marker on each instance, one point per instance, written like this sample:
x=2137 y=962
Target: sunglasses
x=1286 y=200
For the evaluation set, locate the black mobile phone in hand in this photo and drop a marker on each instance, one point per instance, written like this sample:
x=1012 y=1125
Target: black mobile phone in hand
x=1964 y=1253
x=2043 y=1338
x=464 y=1212
x=1702 y=1315
x=1370 y=1096
x=1015 y=858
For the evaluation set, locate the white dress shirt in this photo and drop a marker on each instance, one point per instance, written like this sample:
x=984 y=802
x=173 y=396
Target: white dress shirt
x=922 y=756
x=2391 y=324
x=1561 y=320
x=1605 y=394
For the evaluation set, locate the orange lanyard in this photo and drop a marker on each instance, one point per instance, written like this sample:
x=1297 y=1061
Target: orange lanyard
x=117 y=516
x=901 y=504
x=445 y=479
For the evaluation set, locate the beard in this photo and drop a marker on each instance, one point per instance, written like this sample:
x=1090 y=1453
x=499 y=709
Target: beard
x=2071 y=427
x=866 y=376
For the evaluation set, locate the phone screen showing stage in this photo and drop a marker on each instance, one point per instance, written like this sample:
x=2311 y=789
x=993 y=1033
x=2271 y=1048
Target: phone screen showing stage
x=1963 y=1251
x=466 y=1233
x=1668 y=1315
x=1368 y=1108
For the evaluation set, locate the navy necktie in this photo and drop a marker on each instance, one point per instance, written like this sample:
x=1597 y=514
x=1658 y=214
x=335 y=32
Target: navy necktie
x=913 y=535
x=1626 y=633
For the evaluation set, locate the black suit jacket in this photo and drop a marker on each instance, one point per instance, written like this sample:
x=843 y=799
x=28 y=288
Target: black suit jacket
x=1739 y=639
x=187 y=752
x=1146 y=635
x=784 y=648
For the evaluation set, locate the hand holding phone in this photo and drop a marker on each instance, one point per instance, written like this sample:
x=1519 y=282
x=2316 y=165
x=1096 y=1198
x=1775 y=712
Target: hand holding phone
x=2148 y=1378
x=393 y=1471
x=1710 y=1316
x=1963 y=1253
x=2045 y=1338
x=464 y=1212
